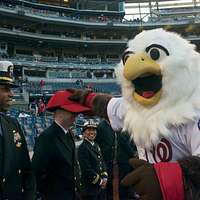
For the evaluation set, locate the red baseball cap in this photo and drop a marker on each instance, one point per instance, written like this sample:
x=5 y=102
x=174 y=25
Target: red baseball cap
x=61 y=100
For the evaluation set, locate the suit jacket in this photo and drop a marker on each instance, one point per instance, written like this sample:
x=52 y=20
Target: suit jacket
x=17 y=179
x=92 y=165
x=54 y=164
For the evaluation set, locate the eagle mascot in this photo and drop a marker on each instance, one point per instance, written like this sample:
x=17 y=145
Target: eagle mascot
x=159 y=74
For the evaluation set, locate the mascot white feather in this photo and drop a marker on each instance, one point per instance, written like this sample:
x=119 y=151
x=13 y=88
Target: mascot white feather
x=160 y=108
x=160 y=79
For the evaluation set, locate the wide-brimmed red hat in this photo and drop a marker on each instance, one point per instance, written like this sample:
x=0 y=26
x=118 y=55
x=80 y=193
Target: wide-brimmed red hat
x=61 y=100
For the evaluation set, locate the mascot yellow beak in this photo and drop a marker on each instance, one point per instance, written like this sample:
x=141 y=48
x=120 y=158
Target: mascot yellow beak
x=145 y=75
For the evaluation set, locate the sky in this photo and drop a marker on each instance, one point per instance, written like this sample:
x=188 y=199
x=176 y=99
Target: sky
x=132 y=9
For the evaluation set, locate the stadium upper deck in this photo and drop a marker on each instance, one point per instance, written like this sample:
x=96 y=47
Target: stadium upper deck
x=48 y=42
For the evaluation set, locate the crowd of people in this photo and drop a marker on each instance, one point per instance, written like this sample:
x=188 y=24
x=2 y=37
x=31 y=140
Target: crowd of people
x=58 y=169
x=64 y=172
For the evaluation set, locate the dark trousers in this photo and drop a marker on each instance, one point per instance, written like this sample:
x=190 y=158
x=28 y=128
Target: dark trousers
x=39 y=196
x=98 y=195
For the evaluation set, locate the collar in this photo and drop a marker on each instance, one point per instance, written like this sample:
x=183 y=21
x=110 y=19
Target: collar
x=91 y=142
x=65 y=131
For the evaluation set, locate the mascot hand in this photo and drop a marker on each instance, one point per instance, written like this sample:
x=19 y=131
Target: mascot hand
x=79 y=95
x=144 y=180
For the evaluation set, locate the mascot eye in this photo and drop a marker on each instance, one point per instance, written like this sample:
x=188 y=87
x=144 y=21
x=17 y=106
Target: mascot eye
x=125 y=56
x=154 y=54
x=156 y=51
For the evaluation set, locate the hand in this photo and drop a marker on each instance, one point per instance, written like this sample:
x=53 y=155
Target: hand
x=78 y=95
x=103 y=183
x=144 y=180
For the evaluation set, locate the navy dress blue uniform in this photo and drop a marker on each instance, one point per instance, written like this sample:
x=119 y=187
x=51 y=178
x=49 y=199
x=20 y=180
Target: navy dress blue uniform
x=54 y=159
x=54 y=163
x=16 y=176
x=93 y=170
x=17 y=180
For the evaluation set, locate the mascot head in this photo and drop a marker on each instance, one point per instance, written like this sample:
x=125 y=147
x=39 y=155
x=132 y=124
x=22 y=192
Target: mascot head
x=160 y=78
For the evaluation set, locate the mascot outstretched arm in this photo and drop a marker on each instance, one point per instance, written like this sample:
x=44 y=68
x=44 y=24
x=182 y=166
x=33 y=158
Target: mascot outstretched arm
x=160 y=108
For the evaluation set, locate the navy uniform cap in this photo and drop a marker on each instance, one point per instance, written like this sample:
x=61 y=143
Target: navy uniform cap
x=89 y=124
x=6 y=74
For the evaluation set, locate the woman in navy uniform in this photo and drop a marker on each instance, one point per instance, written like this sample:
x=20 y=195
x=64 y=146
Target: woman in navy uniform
x=93 y=169
x=16 y=176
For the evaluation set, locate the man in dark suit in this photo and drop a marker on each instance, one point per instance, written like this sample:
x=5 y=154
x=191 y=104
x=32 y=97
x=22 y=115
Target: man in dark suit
x=16 y=176
x=54 y=160
x=93 y=169
x=116 y=149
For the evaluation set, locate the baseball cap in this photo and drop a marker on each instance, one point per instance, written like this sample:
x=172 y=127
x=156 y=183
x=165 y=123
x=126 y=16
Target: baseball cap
x=6 y=74
x=61 y=100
